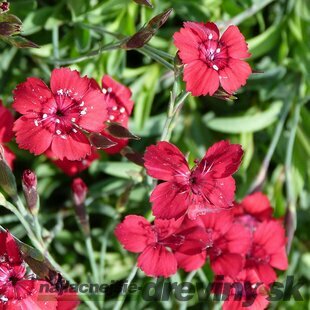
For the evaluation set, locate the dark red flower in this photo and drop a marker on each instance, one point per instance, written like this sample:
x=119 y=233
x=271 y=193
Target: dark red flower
x=211 y=61
x=252 y=210
x=119 y=106
x=56 y=119
x=158 y=243
x=207 y=187
x=6 y=133
x=267 y=251
x=225 y=244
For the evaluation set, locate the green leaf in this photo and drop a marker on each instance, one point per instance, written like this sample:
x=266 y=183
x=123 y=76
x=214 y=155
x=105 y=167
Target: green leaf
x=266 y=41
x=118 y=169
x=246 y=123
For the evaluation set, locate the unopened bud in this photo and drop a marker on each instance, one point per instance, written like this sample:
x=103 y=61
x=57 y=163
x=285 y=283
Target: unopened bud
x=79 y=192
x=9 y=25
x=29 y=183
x=4 y=7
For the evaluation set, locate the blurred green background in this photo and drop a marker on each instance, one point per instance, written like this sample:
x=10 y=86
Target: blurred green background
x=270 y=119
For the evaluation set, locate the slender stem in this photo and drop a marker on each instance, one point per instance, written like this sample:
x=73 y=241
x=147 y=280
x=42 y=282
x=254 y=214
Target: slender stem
x=55 y=35
x=291 y=222
x=147 y=52
x=131 y=276
x=261 y=176
x=92 y=54
x=159 y=52
x=238 y=19
x=172 y=117
x=189 y=278
x=91 y=257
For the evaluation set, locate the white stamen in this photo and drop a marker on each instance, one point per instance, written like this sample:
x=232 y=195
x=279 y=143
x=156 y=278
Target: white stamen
x=215 y=67
x=57 y=120
x=212 y=57
x=109 y=89
x=82 y=104
x=73 y=119
x=83 y=112
x=63 y=137
x=112 y=117
x=114 y=108
x=210 y=36
x=44 y=116
x=104 y=90
x=60 y=92
x=218 y=50
x=74 y=130
x=58 y=132
x=122 y=110
x=36 y=122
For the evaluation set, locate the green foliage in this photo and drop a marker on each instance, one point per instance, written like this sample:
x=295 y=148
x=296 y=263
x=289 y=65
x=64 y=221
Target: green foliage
x=68 y=32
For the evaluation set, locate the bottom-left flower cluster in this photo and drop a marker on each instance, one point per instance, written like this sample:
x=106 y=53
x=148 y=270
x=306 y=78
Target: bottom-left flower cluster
x=21 y=291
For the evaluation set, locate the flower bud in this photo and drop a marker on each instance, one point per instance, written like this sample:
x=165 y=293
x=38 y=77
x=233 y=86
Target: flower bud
x=29 y=183
x=79 y=191
x=4 y=7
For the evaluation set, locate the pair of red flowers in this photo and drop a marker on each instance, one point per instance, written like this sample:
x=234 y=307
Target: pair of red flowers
x=196 y=219
x=19 y=291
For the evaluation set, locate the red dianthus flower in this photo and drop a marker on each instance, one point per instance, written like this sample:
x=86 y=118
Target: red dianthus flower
x=207 y=187
x=56 y=119
x=211 y=61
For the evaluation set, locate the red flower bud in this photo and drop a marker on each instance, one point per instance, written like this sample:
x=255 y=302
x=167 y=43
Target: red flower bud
x=29 y=183
x=29 y=179
x=79 y=190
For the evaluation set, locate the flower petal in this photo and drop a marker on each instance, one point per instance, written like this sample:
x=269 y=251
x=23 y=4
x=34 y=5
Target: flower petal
x=157 y=261
x=36 y=139
x=164 y=161
x=73 y=146
x=135 y=233
x=31 y=95
x=234 y=41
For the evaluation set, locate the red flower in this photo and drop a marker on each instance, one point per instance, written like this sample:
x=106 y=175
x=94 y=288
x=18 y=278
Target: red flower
x=267 y=251
x=225 y=244
x=119 y=106
x=56 y=119
x=211 y=61
x=17 y=292
x=157 y=243
x=207 y=187
x=6 y=132
x=252 y=210
x=9 y=251
x=246 y=292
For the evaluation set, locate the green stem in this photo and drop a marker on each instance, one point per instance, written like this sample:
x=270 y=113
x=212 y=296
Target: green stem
x=261 y=176
x=92 y=54
x=291 y=197
x=120 y=302
x=55 y=35
x=159 y=52
x=189 y=278
x=91 y=257
x=238 y=19
x=147 y=52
